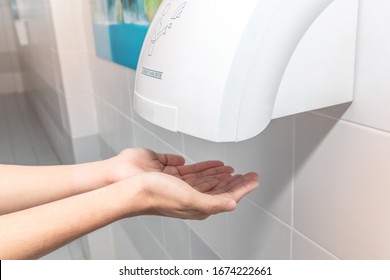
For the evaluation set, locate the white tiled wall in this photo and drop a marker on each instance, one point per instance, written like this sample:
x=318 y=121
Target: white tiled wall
x=324 y=183
x=10 y=78
x=57 y=77
x=324 y=175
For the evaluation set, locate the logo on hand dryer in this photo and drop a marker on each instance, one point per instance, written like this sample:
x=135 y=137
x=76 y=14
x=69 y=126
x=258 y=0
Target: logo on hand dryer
x=152 y=73
x=161 y=29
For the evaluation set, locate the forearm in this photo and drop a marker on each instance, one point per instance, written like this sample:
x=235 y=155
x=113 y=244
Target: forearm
x=34 y=232
x=23 y=187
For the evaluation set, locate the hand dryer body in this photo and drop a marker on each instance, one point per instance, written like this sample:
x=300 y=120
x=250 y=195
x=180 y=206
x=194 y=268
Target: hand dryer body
x=221 y=70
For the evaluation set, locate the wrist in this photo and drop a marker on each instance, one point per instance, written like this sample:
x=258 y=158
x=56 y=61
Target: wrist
x=122 y=166
x=89 y=176
x=131 y=197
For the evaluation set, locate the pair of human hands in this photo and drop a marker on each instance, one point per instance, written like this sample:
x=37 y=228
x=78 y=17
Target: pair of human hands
x=171 y=188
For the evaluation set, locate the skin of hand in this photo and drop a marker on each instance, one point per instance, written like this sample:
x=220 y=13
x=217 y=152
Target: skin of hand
x=196 y=197
x=206 y=188
x=141 y=182
x=23 y=187
x=139 y=160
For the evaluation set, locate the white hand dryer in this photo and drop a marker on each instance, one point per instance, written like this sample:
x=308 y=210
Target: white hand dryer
x=222 y=69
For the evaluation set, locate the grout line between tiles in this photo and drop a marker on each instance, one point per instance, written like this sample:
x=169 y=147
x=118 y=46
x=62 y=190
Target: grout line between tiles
x=355 y=124
x=293 y=185
x=315 y=244
x=155 y=238
x=290 y=227
x=113 y=107
x=7 y=122
x=27 y=130
x=6 y=126
x=268 y=213
x=189 y=242
x=21 y=116
x=204 y=241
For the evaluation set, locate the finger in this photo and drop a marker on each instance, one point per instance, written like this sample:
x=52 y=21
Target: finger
x=211 y=205
x=206 y=184
x=209 y=172
x=249 y=183
x=195 y=180
x=170 y=160
x=221 y=174
x=199 y=167
x=239 y=186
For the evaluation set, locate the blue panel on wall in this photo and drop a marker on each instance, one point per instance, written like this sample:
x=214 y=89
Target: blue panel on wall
x=126 y=43
x=120 y=26
x=120 y=43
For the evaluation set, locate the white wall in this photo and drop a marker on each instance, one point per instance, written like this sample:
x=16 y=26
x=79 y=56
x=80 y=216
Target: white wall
x=57 y=79
x=324 y=187
x=10 y=78
x=57 y=82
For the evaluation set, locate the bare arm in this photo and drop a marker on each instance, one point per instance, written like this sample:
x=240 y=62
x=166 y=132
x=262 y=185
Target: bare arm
x=22 y=187
x=37 y=231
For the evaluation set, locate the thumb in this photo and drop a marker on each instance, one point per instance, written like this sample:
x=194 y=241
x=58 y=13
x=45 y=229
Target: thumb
x=216 y=204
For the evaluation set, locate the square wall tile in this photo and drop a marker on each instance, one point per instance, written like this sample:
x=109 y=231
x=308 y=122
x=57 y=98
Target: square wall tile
x=305 y=249
x=75 y=73
x=200 y=250
x=270 y=154
x=143 y=123
x=87 y=20
x=156 y=227
x=68 y=25
x=145 y=243
x=214 y=232
x=102 y=114
x=81 y=115
x=200 y=150
x=86 y=149
x=63 y=111
x=25 y=155
x=111 y=83
x=253 y=234
x=173 y=139
x=109 y=124
x=101 y=244
x=371 y=103
x=105 y=150
x=342 y=187
x=57 y=72
x=143 y=138
x=6 y=153
x=124 y=248
x=126 y=132
x=7 y=83
x=164 y=148
x=5 y=60
x=177 y=238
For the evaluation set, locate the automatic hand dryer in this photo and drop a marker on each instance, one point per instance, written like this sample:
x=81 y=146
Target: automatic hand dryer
x=222 y=69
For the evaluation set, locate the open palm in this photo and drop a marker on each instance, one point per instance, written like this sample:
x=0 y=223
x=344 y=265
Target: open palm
x=211 y=177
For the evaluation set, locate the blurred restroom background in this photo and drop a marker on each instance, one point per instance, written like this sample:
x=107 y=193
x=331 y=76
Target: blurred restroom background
x=325 y=175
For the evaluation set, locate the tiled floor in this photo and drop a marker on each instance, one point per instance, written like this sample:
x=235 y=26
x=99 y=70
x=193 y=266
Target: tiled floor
x=23 y=142
x=22 y=139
